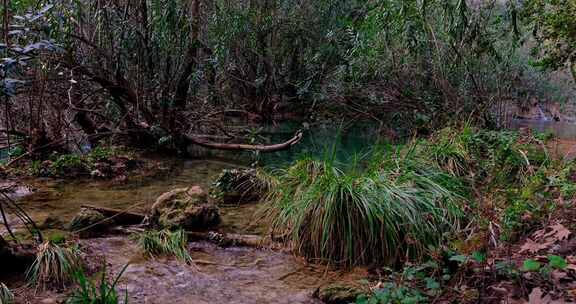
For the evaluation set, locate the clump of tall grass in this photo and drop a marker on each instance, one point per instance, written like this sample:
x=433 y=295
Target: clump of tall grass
x=386 y=209
x=165 y=243
x=54 y=265
x=102 y=292
x=450 y=148
x=6 y=296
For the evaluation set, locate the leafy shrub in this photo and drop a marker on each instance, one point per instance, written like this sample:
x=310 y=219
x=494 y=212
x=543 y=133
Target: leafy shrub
x=391 y=293
x=67 y=164
x=102 y=292
x=393 y=207
x=101 y=154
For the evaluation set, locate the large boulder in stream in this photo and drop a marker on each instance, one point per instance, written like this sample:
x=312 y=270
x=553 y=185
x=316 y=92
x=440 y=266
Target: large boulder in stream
x=186 y=208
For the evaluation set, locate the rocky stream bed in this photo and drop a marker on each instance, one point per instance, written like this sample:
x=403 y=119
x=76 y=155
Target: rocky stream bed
x=219 y=274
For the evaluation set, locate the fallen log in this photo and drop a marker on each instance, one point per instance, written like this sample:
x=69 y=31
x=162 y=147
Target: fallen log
x=121 y=217
x=244 y=147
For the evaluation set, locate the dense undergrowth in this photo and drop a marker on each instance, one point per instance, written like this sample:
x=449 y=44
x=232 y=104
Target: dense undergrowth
x=435 y=206
x=426 y=214
x=101 y=162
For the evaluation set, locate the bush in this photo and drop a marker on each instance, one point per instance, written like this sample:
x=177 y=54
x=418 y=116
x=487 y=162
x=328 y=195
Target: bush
x=382 y=210
x=69 y=164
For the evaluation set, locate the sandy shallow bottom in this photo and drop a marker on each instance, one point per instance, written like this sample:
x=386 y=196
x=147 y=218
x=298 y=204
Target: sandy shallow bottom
x=221 y=275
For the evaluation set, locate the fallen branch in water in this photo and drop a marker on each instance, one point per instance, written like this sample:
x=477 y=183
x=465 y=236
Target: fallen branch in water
x=240 y=147
x=121 y=217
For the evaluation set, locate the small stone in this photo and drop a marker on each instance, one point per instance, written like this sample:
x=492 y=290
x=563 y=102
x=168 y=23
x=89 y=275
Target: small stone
x=338 y=293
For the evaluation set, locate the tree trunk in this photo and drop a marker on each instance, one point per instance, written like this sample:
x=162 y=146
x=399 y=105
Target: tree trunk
x=183 y=84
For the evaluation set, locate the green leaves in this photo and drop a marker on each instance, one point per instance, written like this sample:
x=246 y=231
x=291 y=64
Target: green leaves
x=554 y=262
x=531 y=265
x=554 y=27
x=557 y=262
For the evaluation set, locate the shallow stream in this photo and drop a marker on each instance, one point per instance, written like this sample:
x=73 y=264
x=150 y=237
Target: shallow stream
x=221 y=275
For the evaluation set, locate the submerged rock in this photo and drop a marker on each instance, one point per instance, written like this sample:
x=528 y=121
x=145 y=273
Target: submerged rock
x=89 y=221
x=15 y=190
x=186 y=208
x=235 y=186
x=338 y=293
x=52 y=222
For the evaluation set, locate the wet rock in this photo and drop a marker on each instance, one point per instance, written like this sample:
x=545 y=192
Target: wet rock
x=338 y=293
x=15 y=190
x=235 y=186
x=186 y=208
x=88 y=221
x=52 y=222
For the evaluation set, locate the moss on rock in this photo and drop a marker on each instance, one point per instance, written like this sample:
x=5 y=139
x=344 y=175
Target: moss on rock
x=186 y=208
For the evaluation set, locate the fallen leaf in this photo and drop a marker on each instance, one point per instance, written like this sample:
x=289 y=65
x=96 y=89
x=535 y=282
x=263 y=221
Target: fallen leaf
x=557 y=233
x=558 y=275
x=533 y=247
x=537 y=297
x=571 y=267
x=560 y=232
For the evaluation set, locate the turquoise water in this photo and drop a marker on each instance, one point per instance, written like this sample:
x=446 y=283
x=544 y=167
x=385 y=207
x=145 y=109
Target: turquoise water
x=346 y=141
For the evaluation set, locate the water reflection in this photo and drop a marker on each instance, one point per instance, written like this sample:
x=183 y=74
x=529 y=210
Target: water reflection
x=562 y=130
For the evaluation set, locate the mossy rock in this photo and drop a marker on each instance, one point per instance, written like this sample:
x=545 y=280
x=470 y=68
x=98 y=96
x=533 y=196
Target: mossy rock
x=52 y=222
x=339 y=293
x=235 y=186
x=88 y=221
x=186 y=208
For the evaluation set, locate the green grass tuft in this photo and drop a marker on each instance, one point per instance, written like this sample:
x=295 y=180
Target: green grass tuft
x=165 y=243
x=383 y=210
x=54 y=265
x=6 y=296
x=102 y=292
